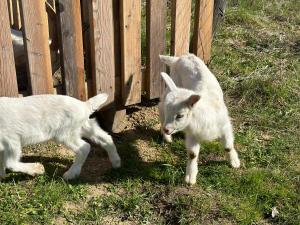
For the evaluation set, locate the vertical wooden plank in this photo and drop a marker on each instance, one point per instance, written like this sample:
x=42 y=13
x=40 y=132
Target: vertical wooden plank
x=202 y=36
x=130 y=12
x=16 y=14
x=102 y=48
x=119 y=113
x=8 y=79
x=72 y=48
x=156 y=43
x=112 y=118
x=181 y=22
x=36 y=39
x=10 y=12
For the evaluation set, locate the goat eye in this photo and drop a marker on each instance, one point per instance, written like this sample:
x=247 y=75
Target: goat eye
x=179 y=116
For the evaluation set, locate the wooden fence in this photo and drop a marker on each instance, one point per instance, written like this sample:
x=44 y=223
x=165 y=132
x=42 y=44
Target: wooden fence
x=100 y=44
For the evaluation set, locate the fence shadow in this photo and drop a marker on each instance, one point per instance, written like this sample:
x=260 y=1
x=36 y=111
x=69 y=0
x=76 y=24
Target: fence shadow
x=98 y=169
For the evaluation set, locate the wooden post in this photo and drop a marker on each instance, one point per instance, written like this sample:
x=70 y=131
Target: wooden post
x=130 y=12
x=36 y=39
x=8 y=79
x=202 y=37
x=181 y=20
x=112 y=118
x=156 y=43
x=72 y=48
x=102 y=48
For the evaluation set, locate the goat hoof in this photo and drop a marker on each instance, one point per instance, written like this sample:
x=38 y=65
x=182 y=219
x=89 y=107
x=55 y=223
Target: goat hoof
x=168 y=138
x=38 y=169
x=235 y=163
x=234 y=159
x=190 y=180
x=116 y=163
x=71 y=174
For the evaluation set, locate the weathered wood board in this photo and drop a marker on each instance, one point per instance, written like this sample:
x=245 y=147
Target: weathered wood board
x=202 y=37
x=102 y=48
x=130 y=12
x=156 y=44
x=72 y=48
x=8 y=79
x=36 y=40
x=181 y=22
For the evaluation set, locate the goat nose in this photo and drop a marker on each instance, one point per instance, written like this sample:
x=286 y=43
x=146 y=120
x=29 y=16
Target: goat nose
x=166 y=130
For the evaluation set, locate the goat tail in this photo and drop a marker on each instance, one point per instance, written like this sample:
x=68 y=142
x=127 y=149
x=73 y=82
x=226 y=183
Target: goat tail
x=97 y=101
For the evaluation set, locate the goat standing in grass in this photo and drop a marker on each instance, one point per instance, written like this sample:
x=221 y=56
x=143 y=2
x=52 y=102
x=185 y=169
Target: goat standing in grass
x=39 y=118
x=195 y=107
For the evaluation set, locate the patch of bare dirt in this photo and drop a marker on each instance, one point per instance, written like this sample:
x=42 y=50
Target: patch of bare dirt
x=95 y=166
x=146 y=152
x=140 y=115
x=97 y=190
x=48 y=149
x=61 y=221
x=110 y=220
x=142 y=124
x=73 y=207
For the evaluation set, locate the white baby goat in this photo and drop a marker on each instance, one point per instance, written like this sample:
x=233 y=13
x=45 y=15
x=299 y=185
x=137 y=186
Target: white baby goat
x=195 y=107
x=39 y=118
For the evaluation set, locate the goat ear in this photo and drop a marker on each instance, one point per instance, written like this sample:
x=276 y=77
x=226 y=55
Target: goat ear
x=170 y=83
x=192 y=100
x=168 y=60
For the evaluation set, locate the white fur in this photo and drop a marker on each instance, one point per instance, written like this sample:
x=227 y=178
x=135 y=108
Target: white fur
x=39 y=118
x=195 y=106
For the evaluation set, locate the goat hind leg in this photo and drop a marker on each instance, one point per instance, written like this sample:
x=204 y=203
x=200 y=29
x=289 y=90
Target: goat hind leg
x=98 y=136
x=81 y=149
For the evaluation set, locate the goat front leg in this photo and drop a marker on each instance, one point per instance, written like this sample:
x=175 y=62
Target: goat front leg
x=228 y=142
x=93 y=132
x=192 y=147
x=12 y=161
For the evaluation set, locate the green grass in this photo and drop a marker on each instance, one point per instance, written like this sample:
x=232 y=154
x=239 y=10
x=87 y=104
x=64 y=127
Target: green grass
x=256 y=58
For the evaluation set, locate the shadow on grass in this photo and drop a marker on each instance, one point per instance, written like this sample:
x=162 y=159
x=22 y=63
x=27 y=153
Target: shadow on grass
x=133 y=166
x=97 y=168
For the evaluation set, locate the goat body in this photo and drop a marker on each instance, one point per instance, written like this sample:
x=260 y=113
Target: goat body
x=39 y=118
x=193 y=103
